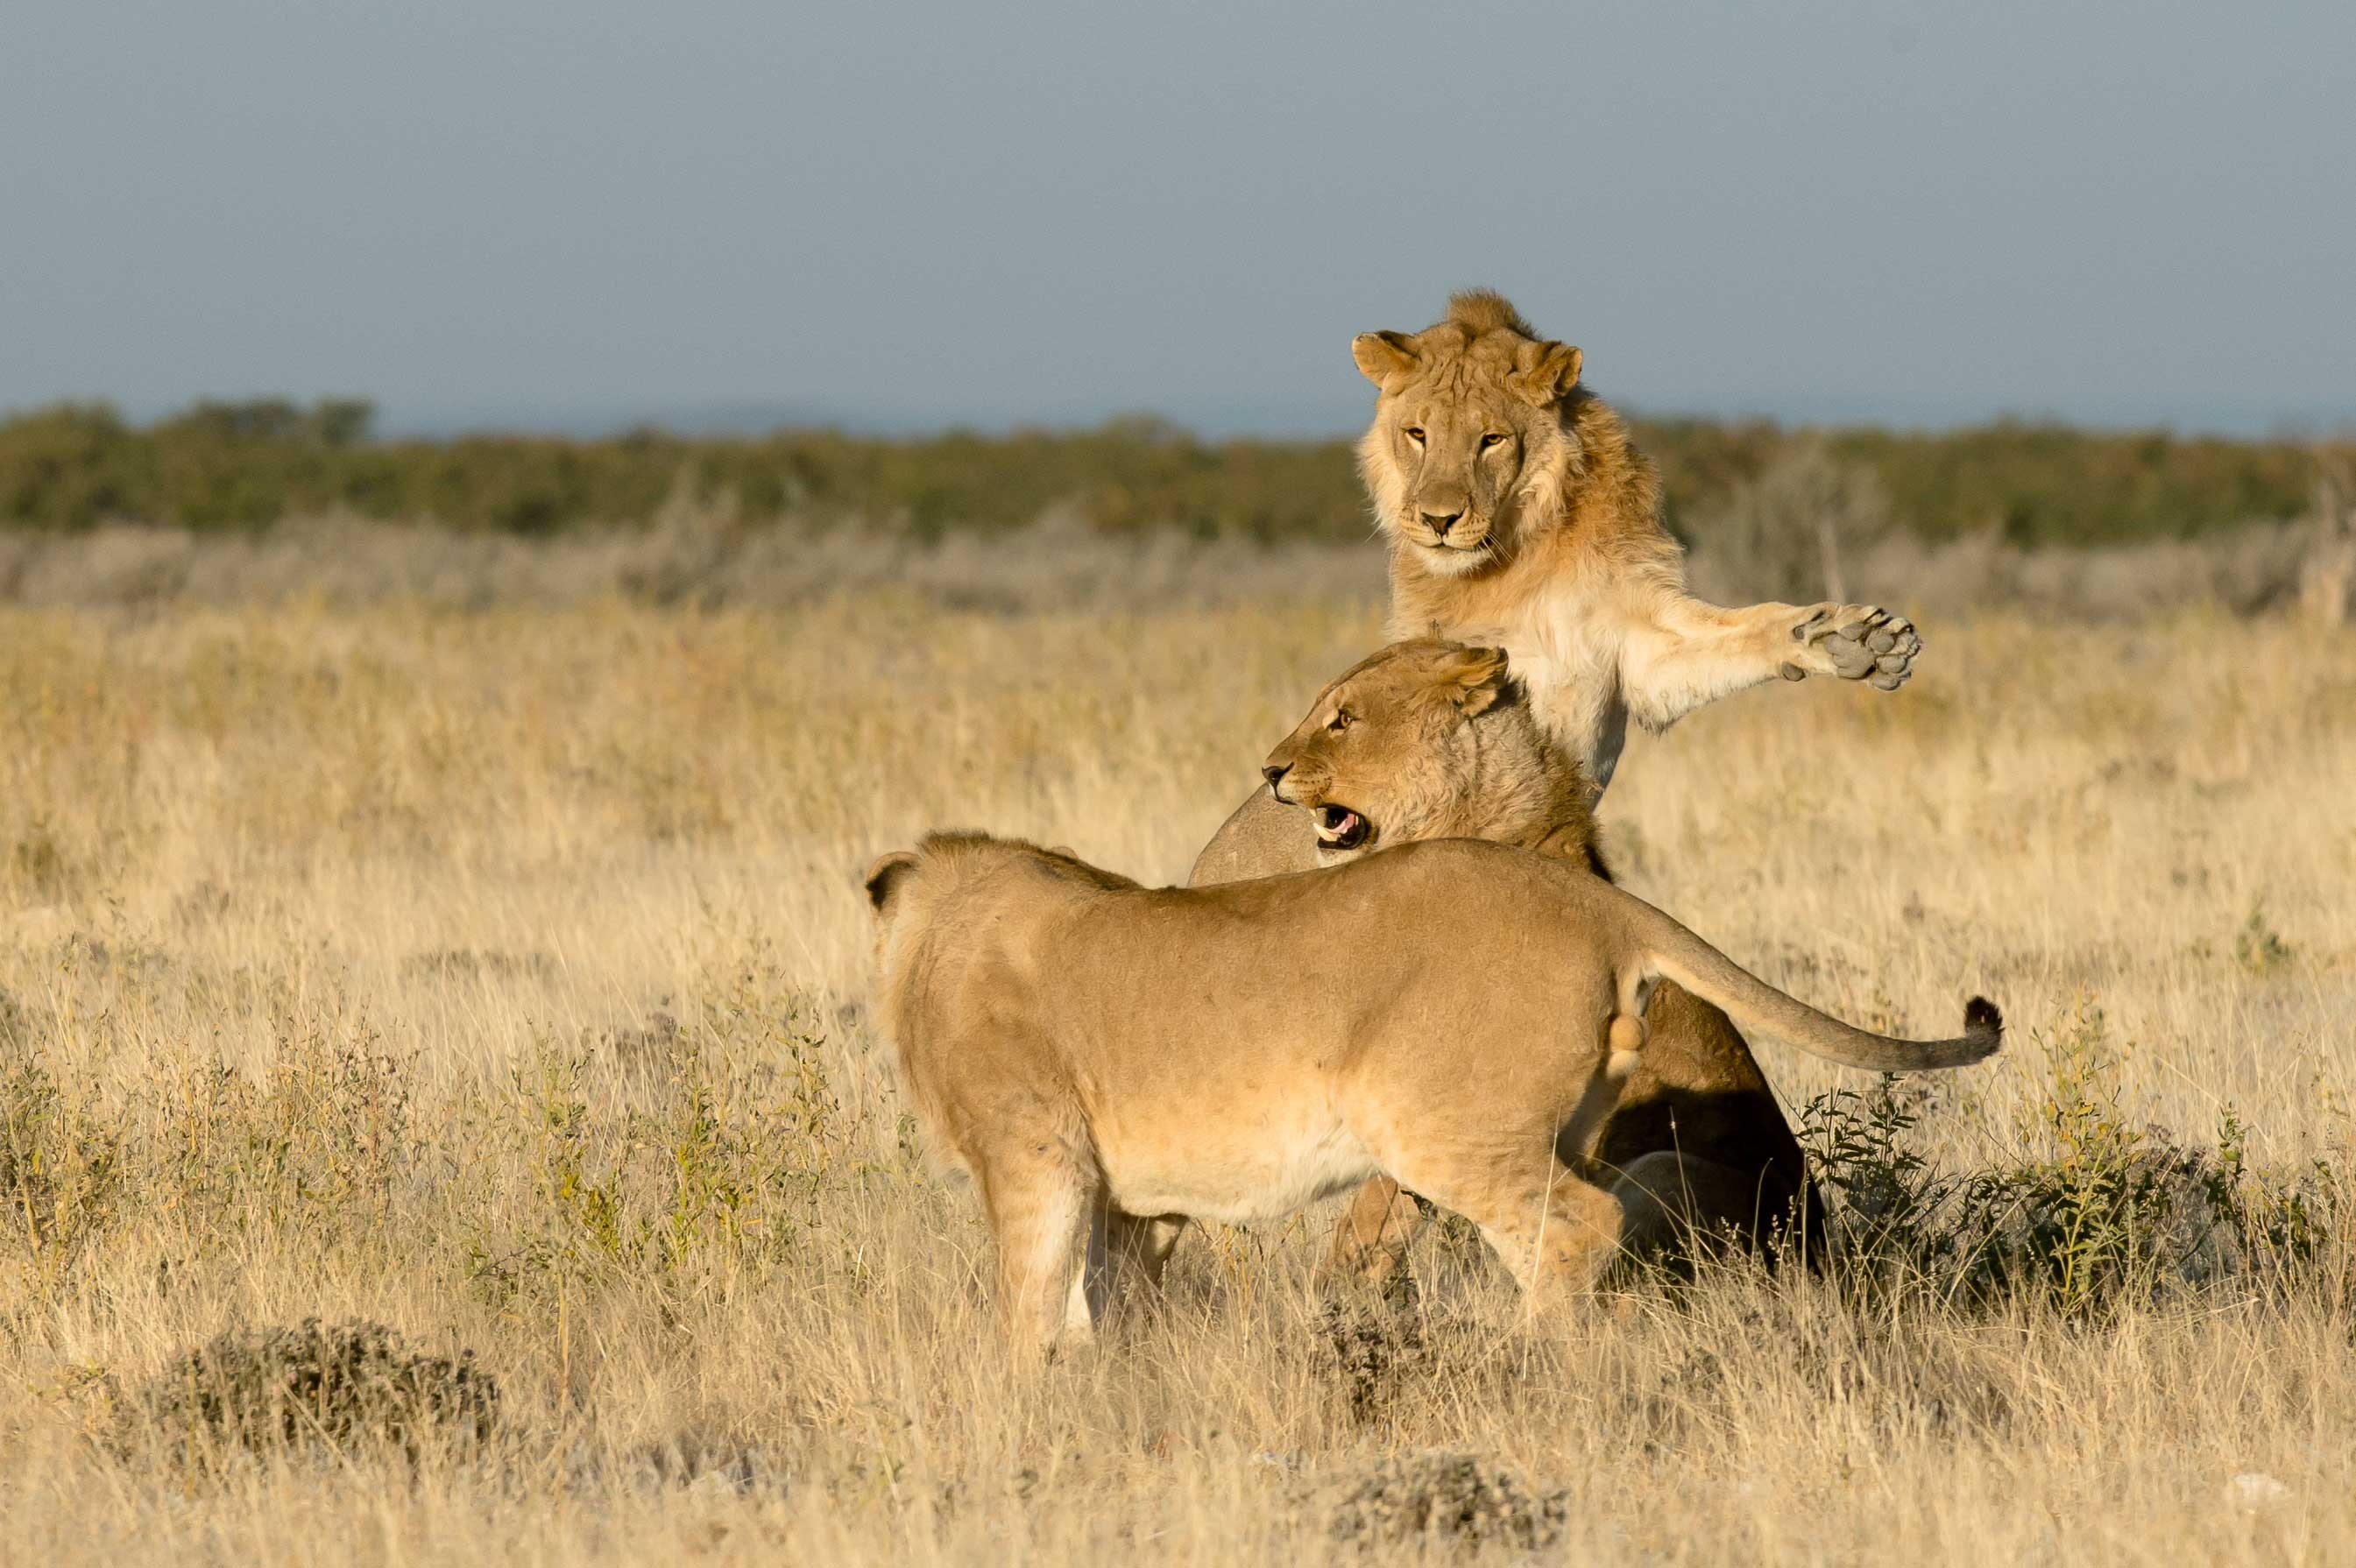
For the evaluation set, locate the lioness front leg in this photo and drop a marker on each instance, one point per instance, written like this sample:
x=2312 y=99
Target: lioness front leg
x=1047 y=1218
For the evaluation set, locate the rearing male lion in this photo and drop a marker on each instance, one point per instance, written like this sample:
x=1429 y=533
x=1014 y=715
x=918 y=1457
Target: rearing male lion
x=1519 y=515
x=1430 y=739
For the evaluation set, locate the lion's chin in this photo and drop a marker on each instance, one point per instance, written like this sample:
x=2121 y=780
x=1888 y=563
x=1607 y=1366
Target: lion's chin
x=1456 y=560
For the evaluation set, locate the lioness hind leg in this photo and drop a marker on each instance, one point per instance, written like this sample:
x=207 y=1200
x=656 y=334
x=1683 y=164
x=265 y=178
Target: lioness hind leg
x=1049 y=1224
x=1371 y=1241
x=1554 y=1231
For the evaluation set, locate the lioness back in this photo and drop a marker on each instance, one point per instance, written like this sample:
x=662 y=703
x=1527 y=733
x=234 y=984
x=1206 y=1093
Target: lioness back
x=1261 y=837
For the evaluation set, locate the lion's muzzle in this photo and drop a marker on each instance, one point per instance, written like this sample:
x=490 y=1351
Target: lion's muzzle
x=1453 y=540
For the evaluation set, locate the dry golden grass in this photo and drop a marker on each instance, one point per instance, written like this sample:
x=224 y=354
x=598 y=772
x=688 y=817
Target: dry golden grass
x=498 y=977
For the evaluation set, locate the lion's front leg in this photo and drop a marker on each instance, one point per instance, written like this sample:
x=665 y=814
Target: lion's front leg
x=1678 y=653
x=1854 y=642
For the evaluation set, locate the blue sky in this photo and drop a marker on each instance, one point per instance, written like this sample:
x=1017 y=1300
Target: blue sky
x=910 y=216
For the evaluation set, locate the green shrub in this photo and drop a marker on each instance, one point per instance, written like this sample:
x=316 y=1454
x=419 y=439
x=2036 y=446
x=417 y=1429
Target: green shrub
x=60 y=1179
x=2089 y=1211
x=222 y=466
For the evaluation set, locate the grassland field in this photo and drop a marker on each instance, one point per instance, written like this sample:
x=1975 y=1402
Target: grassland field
x=499 y=976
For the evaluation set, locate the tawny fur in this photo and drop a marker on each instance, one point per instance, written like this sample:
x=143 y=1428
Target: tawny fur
x=1553 y=548
x=1106 y=1058
x=1439 y=743
x=1487 y=310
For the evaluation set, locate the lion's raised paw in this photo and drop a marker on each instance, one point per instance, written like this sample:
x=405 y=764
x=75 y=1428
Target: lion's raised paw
x=1859 y=642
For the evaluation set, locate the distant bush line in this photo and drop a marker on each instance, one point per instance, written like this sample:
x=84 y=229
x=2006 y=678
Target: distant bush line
x=245 y=466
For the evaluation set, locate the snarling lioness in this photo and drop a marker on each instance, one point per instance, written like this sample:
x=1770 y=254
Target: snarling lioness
x=1520 y=517
x=1431 y=739
x=1099 y=1055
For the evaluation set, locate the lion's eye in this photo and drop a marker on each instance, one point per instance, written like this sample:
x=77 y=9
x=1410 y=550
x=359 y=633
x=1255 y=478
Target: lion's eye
x=1343 y=719
x=1492 y=439
x=1414 y=432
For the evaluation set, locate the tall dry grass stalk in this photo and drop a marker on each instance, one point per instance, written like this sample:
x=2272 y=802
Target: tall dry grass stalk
x=498 y=977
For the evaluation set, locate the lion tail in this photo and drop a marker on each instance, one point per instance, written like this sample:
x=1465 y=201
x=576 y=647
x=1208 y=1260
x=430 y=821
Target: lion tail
x=1664 y=950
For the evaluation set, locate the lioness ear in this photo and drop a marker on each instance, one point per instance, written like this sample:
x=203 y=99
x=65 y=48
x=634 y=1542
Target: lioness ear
x=885 y=877
x=1475 y=679
x=1383 y=357
x=1544 y=373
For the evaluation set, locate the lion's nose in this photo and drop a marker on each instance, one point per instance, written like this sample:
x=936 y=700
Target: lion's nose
x=1273 y=772
x=1440 y=523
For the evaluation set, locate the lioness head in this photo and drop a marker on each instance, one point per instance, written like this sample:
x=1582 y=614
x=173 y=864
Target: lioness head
x=1424 y=739
x=1469 y=427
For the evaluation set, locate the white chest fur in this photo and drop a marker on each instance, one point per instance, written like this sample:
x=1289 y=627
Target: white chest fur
x=1566 y=652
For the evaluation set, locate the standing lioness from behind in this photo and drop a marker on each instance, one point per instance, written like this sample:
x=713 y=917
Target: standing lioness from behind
x=1102 y=1056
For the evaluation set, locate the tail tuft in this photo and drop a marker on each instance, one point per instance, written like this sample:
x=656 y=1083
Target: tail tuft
x=1981 y=1016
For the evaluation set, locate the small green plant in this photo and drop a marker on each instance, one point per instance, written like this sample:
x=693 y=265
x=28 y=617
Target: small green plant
x=39 y=865
x=2095 y=1210
x=59 y=1166
x=1854 y=1142
x=658 y=1150
x=2258 y=948
x=2092 y=1189
x=322 y=1135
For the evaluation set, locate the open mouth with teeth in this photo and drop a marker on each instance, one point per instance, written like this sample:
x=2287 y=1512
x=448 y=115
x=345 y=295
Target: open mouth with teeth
x=1340 y=829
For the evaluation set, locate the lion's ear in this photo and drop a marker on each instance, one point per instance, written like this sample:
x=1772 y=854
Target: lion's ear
x=1383 y=357
x=885 y=877
x=1475 y=679
x=1545 y=373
